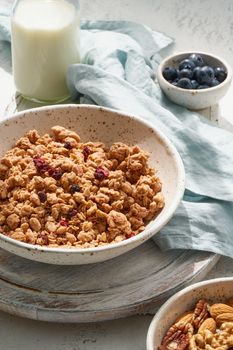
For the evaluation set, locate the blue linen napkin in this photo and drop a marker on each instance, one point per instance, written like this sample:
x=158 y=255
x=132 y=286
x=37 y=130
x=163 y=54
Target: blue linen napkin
x=119 y=60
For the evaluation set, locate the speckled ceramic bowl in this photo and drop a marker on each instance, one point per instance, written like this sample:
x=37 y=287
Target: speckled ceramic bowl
x=194 y=99
x=106 y=125
x=215 y=290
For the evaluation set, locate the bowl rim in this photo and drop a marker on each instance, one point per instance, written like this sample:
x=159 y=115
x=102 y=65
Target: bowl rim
x=201 y=91
x=146 y=233
x=172 y=299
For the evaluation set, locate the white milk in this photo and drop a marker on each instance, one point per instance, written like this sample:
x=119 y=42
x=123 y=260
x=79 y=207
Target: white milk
x=45 y=41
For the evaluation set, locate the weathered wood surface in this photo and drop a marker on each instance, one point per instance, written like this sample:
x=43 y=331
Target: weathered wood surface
x=133 y=283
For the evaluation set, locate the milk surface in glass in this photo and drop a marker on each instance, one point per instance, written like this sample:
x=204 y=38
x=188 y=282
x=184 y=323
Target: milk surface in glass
x=45 y=41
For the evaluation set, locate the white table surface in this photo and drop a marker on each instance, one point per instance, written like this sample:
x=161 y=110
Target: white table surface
x=195 y=25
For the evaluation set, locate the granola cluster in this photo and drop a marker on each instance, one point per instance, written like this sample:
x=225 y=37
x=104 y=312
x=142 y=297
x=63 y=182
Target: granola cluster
x=206 y=327
x=56 y=191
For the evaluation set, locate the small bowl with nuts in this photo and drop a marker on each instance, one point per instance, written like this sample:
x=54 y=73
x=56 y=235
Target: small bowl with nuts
x=84 y=184
x=199 y=317
x=195 y=80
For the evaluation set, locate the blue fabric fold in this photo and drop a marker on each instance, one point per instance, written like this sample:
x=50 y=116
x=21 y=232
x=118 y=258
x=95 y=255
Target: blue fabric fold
x=119 y=60
x=4 y=25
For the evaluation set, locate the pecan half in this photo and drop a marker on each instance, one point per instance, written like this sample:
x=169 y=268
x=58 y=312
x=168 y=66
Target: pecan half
x=177 y=337
x=201 y=313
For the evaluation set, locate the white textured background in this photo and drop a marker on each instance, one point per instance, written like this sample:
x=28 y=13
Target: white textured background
x=195 y=24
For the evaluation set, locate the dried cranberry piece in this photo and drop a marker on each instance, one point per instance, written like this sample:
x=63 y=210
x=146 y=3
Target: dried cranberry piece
x=101 y=173
x=40 y=164
x=56 y=173
x=51 y=171
x=38 y=161
x=68 y=145
x=75 y=188
x=42 y=196
x=63 y=222
x=86 y=152
x=131 y=235
x=71 y=213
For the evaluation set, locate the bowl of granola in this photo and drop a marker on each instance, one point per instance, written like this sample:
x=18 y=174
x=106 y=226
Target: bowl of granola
x=199 y=316
x=82 y=184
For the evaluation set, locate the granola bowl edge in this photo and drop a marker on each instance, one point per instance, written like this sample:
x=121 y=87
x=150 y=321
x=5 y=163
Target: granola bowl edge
x=106 y=125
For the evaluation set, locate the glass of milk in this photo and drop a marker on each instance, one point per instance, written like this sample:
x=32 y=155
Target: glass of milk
x=45 y=41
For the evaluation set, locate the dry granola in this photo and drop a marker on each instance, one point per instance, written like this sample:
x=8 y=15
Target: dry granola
x=56 y=191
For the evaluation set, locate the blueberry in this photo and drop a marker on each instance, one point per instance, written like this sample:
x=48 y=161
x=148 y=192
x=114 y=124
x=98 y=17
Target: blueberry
x=220 y=74
x=203 y=86
x=205 y=75
x=196 y=72
x=194 y=84
x=197 y=60
x=75 y=188
x=184 y=83
x=42 y=196
x=214 y=82
x=175 y=82
x=186 y=64
x=170 y=73
x=185 y=73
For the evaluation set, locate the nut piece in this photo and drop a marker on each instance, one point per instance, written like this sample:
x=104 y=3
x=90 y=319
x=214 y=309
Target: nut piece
x=198 y=331
x=177 y=337
x=20 y=236
x=13 y=221
x=200 y=313
x=209 y=324
x=186 y=317
x=205 y=340
x=218 y=309
x=197 y=341
x=226 y=317
x=35 y=224
x=50 y=226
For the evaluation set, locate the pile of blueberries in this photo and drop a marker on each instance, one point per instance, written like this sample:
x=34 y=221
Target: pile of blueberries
x=193 y=73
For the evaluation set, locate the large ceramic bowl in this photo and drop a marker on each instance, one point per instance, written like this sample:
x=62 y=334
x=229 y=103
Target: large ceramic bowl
x=215 y=290
x=194 y=99
x=106 y=125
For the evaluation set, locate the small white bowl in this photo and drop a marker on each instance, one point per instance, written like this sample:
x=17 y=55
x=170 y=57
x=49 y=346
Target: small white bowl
x=193 y=98
x=215 y=290
x=98 y=124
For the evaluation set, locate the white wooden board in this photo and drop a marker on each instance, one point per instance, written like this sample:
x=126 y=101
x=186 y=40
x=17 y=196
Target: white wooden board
x=133 y=283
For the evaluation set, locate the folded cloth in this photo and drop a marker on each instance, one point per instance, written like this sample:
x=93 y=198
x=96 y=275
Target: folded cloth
x=4 y=25
x=119 y=60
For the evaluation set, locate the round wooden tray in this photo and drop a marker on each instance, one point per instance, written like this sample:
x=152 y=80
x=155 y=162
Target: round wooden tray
x=133 y=283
